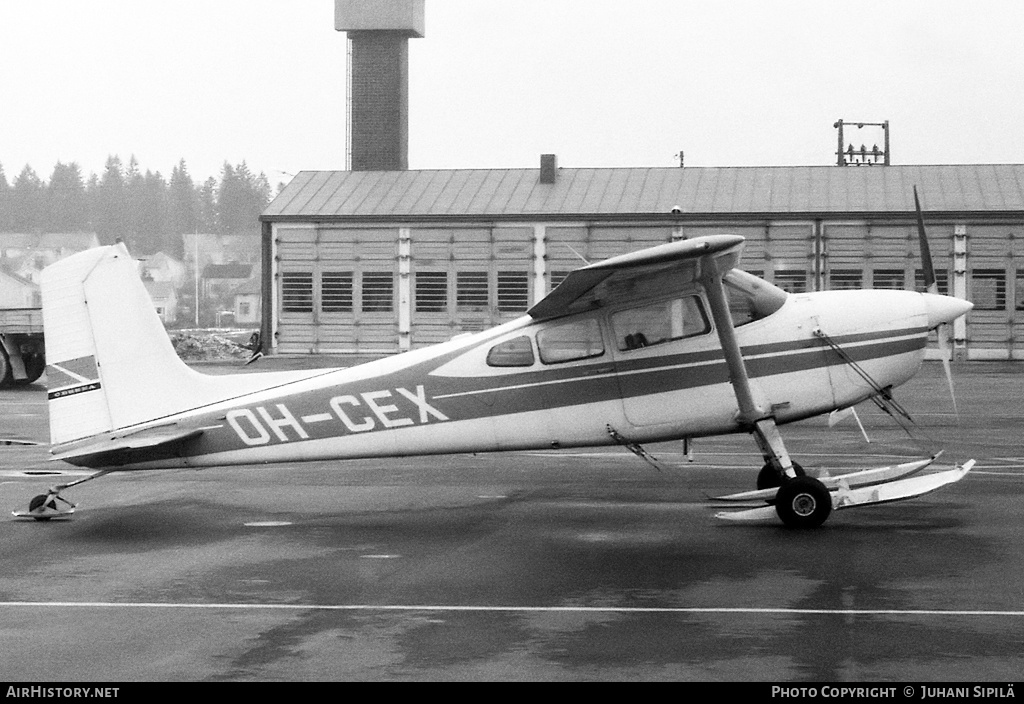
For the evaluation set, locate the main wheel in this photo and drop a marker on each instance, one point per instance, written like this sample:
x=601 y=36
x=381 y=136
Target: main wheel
x=768 y=478
x=803 y=502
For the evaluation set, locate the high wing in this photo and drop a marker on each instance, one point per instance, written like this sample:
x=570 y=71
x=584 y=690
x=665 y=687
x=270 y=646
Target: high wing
x=620 y=277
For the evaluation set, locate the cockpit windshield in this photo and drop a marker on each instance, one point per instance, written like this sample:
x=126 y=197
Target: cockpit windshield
x=751 y=298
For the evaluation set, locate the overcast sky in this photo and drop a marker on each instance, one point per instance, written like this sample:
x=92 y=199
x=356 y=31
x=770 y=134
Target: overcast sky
x=495 y=83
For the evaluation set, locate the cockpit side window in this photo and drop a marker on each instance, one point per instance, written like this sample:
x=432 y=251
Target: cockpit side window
x=751 y=298
x=578 y=339
x=660 y=322
x=517 y=352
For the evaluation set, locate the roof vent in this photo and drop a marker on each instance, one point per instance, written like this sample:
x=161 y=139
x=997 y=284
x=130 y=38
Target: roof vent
x=548 y=168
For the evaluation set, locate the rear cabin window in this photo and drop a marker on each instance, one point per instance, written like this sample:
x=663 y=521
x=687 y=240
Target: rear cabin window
x=517 y=352
x=656 y=323
x=579 y=339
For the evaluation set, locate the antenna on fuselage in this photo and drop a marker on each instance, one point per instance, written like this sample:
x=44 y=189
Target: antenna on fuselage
x=570 y=247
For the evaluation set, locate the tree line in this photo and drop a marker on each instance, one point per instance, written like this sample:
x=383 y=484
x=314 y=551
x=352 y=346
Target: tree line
x=146 y=211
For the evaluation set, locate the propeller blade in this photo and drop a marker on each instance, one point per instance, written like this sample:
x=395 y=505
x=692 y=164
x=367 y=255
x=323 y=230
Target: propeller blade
x=932 y=286
x=926 y=253
x=944 y=350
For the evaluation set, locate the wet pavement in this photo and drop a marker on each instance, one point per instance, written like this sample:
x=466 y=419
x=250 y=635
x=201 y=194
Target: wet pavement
x=570 y=565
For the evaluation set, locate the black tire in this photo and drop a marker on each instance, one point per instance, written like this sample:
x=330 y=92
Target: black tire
x=35 y=365
x=37 y=501
x=803 y=502
x=768 y=478
x=5 y=369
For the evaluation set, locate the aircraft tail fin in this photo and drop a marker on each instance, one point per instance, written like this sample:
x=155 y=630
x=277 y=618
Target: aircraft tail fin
x=110 y=363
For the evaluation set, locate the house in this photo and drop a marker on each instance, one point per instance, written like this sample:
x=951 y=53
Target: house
x=29 y=254
x=16 y=291
x=220 y=249
x=220 y=279
x=246 y=303
x=165 y=300
x=163 y=267
x=53 y=245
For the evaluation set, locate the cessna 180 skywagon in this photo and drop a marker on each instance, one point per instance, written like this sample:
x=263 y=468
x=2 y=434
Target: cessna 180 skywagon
x=670 y=342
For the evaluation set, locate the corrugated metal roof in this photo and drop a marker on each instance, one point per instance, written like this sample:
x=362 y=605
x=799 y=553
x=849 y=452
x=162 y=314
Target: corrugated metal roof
x=775 y=190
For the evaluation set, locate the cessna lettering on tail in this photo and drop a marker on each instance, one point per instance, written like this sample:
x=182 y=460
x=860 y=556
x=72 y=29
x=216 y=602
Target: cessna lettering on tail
x=358 y=413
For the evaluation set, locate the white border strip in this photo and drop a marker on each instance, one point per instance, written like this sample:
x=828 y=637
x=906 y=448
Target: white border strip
x=524 y=609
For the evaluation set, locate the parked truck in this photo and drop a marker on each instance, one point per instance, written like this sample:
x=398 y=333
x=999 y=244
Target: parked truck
x=22 y=354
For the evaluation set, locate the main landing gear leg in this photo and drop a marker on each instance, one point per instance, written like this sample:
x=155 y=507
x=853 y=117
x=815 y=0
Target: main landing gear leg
x=778 y=467
x=44 y=506
x=802 y=501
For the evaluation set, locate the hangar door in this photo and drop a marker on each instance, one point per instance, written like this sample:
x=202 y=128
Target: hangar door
x=995 y=284
x=336 y=290
x=467 y=279
x=779 y=252
x=569 y=247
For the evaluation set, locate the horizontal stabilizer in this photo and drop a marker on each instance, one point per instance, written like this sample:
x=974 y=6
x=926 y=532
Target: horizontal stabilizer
x=110 y=445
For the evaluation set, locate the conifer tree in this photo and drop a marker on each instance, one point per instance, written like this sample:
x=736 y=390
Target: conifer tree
x=27 y=201
x=66 y=209
x=5 y=202
x=111 y=203
x=183 y=206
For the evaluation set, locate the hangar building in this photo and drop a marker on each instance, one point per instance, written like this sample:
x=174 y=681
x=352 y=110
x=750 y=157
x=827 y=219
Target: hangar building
x=378 y=262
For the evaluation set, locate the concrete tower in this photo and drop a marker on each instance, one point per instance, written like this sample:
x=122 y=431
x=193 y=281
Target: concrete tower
x=378 y=79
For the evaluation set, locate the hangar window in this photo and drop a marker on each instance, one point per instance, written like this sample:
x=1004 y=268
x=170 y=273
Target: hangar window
x=660 y=322
x=336 y=292
x=513 y=291
x=517 y=352
x=988 y=289
x=791 y=280
x=845 y=279
x=1020 y=290
x=378 y=291
x=431 y=291
x=887 y=279
x=579 y=339
x=471 y=290
x=558 y=276
x=941 y=280
x=297 y=292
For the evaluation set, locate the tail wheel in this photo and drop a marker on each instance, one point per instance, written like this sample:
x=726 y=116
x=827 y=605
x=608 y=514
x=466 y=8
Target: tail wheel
x=803 y=502
x=768 y=478
x=38 y=502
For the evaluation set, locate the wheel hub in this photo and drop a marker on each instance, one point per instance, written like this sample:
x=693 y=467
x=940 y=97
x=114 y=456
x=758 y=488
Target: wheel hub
x=804 y=504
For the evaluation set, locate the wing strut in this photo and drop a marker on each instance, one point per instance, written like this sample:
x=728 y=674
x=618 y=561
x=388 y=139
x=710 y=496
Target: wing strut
x=756 y=418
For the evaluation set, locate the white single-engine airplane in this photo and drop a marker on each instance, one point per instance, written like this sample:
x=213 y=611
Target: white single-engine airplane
x=671 y=342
